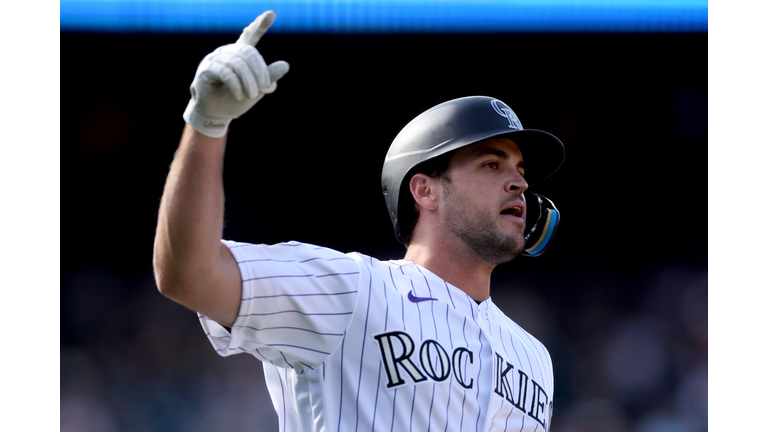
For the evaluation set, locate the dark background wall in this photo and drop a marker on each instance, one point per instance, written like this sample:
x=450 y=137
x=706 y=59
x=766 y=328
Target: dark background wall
x=620 y=299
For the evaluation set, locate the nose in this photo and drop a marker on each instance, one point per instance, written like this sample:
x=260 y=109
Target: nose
x=516 y=183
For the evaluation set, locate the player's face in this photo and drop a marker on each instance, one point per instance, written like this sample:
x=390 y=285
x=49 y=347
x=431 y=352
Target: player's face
x=483 y=199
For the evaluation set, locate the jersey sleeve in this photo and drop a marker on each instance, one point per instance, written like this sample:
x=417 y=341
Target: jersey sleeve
x=297 y=302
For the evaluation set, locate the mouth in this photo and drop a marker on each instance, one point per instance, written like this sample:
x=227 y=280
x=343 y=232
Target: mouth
x=515 y=209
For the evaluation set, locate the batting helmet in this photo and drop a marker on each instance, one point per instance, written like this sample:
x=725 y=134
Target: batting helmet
x=461 y=122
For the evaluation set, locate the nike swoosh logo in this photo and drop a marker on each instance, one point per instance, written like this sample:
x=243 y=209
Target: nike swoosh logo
x=415 y=299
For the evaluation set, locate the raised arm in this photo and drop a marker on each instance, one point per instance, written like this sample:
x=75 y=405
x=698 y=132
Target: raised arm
x=191 y=264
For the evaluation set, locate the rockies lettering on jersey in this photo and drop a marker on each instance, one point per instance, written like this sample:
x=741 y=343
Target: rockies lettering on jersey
x=351 y=343
x=503 y=387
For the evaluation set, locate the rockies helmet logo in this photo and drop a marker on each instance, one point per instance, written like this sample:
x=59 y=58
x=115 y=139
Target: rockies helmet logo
x=503 y=110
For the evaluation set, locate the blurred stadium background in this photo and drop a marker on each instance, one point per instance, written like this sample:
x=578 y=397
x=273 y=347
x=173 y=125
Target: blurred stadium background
x=620 y=299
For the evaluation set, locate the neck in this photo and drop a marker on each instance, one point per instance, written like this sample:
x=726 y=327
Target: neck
x=458 y=269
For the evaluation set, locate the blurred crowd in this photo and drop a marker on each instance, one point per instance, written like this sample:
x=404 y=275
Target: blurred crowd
x=629 y=352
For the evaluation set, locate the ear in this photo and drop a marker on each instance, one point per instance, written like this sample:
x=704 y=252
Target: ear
x=423 y=191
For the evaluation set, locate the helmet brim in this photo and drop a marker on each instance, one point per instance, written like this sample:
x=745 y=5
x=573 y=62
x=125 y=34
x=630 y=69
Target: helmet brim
x=543 y=153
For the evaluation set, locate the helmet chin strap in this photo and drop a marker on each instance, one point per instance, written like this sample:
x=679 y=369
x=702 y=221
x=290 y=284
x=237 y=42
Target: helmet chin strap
x=542 y=219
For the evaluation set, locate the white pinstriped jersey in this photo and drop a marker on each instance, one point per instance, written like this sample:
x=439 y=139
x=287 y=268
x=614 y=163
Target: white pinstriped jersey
x=350 y=343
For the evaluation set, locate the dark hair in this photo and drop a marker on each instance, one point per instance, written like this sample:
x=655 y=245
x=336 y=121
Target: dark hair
x=407 y=214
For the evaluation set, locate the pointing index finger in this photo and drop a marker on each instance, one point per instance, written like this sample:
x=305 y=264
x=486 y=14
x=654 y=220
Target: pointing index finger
x=257 y=28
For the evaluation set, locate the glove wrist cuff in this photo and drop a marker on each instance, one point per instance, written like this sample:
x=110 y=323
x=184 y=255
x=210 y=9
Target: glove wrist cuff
x=211 y=127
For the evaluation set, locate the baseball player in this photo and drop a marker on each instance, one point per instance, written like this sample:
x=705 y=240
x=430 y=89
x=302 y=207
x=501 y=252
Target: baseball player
x=349 y=342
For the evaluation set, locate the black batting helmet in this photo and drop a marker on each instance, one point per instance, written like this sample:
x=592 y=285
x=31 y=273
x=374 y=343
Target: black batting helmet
x=455 y=124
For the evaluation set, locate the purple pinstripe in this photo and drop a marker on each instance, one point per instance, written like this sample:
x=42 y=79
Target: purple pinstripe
x=298 y=312
x=362 y=355
x=337 y=274
x=296 y=261
x=480 y=369
x=262 y=355
x=295 y=346
x=413 y=404
x=299 y=295
x=431 y=404
x=282 y=394
x=376 y=400
x=289 y=328
x=506 y=421
x=341 y=380
x=425 y=279
x=299 y=276
x=450 y=337
x=286 y=361
x=418 y=308
x=466 y=342
x=434 y=322
x=448 y=290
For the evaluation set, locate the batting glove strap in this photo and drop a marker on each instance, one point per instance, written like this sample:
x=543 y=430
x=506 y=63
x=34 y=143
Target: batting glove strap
x=208 y=126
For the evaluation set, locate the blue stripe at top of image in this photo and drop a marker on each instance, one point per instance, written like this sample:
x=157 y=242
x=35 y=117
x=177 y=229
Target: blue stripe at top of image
x=374 y=16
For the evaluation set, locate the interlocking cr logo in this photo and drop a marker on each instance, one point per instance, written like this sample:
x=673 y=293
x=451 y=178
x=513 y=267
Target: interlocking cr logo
x=503 y=110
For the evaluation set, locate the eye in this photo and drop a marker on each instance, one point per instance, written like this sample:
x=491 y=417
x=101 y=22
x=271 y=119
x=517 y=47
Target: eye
x=492 y=165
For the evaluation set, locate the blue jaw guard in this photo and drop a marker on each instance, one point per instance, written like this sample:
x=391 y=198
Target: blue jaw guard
x=542 y=219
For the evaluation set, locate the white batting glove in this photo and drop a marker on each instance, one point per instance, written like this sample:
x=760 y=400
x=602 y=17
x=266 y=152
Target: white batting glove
x=231 y=79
